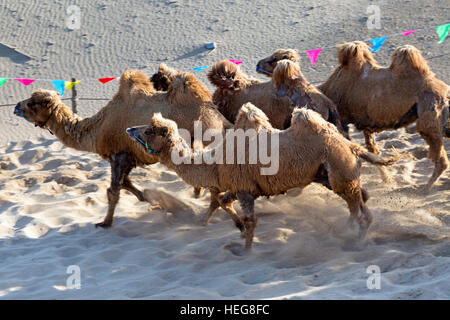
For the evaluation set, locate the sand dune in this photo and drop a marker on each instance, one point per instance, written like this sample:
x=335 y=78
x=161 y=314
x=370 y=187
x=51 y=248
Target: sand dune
x=51 y=196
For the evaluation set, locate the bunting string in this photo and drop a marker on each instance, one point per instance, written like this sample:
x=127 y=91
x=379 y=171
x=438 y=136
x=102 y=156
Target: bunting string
x=62 y=85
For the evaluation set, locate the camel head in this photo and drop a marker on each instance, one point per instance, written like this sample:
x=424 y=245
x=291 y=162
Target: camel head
x=158 y=137
x=39 y=108
x=162 y=79
x=267 y=65
x=407 y=59
x=251 y=117
x=355 y=54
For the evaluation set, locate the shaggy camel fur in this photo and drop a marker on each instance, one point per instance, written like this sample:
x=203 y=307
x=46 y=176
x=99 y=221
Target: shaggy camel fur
x=375 y=98
x=234 y=88
x=289 y=81
x=307 y=145
x=267 y=65
x=135 y=102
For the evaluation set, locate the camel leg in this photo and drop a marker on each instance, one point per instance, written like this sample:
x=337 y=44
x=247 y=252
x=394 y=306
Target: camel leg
x=213 y=206
x=226 y=200
x=365 y=221
x=120 y=163
x=370 y=142
x=438 y=155
x=128 y=185
x=247 y=202
x=197 y=192
x=372 y=147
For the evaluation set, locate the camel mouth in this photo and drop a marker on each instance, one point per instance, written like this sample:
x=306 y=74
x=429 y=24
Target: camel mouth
x=263 y=71
x=17 y=111
x=132 y=133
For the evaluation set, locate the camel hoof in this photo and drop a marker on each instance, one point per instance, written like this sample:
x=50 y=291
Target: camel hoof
x=103 y=224
x=204 y=222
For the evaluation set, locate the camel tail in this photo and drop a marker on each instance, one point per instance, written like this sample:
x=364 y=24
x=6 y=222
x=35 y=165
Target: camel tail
x=372 y=157
x=225 y=75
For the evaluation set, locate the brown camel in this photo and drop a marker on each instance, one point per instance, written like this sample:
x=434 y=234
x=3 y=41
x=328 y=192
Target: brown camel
x=375 y=98
x=307 y=145
x=186 y=100
x=234 y=88
x=267 y=65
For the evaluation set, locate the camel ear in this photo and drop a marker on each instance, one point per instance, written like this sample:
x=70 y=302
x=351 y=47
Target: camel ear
x=164 y=131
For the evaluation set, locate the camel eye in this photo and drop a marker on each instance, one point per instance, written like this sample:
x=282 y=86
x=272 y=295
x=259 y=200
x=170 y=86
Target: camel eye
x=149 y=132
x=29 y=104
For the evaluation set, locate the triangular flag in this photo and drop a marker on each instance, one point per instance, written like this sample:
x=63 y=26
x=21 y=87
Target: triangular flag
x=69 y=84
x=236 y=61
x=442 y=32
x=377 y=43
x=59 y=86
x=408 y=32
x=313 y=54
x=105 y=80
x=25 y=82
x=2 y=81
x=200 y=68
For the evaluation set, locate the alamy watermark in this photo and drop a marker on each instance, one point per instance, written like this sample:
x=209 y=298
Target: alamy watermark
x=231 y=149
x=374 y=280
x=374 y=18
x=73 y=20
x=74 y=280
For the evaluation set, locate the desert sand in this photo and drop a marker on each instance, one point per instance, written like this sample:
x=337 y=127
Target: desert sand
x=51 y=196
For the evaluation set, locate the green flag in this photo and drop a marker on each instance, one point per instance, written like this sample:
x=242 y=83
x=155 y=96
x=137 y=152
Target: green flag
x=2 y=81
x=442 y=32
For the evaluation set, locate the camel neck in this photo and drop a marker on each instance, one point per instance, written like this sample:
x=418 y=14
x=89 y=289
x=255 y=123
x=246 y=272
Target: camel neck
x=197 y=175
x=70 y=129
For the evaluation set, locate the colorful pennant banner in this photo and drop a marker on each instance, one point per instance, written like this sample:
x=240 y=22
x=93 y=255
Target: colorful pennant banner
x=25 y=82
x=61 y=85
x=236 y=61
x=377 y=43
x=105 y=80
x=313 y=54
x=69 y=84
x=442 y=32
x=199 y=68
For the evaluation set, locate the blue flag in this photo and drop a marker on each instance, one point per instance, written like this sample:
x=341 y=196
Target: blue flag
x=377 y=43
x=59 y=86
x=200 y=68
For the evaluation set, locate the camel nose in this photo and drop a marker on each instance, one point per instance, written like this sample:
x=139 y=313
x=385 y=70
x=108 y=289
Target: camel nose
x=17 y=110
x=130 y=131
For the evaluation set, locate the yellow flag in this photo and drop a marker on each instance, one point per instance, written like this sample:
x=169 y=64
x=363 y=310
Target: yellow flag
x=69 y=84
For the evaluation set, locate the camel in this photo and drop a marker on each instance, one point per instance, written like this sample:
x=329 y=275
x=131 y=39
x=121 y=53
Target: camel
x=375 y=98
x=136 y=100
x=267 y=65
x=234 y=88
x=307 y=145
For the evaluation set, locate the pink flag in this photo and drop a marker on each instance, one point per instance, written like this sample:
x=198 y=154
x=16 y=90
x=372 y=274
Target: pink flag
x=313 y=54
x=236 y=61
x=406 y=33
x=105 y=80
x=25 y=82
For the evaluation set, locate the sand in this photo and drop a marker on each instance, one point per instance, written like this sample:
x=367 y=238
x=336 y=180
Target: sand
x=51 y=196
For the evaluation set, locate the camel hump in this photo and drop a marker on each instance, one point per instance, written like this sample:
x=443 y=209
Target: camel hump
x=355 y=53
x=408 y=58
x=250 y=116
x=135 y=81
x=225 y=75
x=186 y=89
